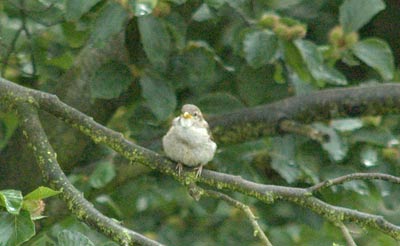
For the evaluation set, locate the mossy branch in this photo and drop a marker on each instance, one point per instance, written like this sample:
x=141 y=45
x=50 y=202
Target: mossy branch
x=263 y=116
x=79 y=206
x=251 y=123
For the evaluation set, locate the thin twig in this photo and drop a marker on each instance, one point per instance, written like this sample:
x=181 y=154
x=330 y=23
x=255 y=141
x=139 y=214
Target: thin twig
x=351 y=177
x=246 y=209
x=346 y=234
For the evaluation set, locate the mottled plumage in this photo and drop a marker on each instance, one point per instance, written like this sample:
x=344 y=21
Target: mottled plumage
x=189 y=140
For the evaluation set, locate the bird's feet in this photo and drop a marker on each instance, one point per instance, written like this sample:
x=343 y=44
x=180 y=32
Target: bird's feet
x=199 y=170
x=179 y=167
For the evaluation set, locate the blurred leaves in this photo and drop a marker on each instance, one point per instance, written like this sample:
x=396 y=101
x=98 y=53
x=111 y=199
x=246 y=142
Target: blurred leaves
x=217 y=103
x=73 y=238
x=354 y=14
x=110 y=80
x=102 y=175
x=283 y=158
x=74 y=9
x=8 y=124
x=110 y=21
x=337 y=147
x=143 y=7
x=369 y=156
x=203 y=13
x=195 y=69
x=222 y=56
x=159 y=96
x=260 y=47
x=156 y=40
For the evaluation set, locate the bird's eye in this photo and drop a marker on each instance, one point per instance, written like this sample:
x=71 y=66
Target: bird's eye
x=195 y=114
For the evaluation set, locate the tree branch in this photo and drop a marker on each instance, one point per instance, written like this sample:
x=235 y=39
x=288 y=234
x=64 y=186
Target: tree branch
x=252 y=123
x=347 y=235
x=83 y=210
x=14 y=94
x=351 y=177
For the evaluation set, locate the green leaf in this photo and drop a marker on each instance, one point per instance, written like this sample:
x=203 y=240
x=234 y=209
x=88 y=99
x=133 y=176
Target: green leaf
x=63 y=61
x=300 y=86
x=107 y=202
x=8 y=124
x=215 y=3
x=346 y=124
x=102 y=175
x=203 y=13
x=254 y=86
x=309 y=161
x=193 y=45
x=219 y=102
x=376 y=136
x=354 y=14
x=294 y=59
x=41 y=193
x=16 y=229
x=312 y=57
x=110 y=80
x=156 y=40
x=177 y=28
x=178 y=1
x=144 y=7
x=75 y=34
x=377 y=54
x=159 y=96
x=11 y=200
x=283 y=158
x=195 y=69
x=74 y=9
x=336 y=146
x=47 y=13
x=73 y=238
x=110 y=21
x=260 y=47
x=369 y=156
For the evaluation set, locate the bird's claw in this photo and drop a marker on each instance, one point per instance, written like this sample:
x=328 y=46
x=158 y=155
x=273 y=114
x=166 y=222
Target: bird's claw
x=179 y=167
x=199 y=170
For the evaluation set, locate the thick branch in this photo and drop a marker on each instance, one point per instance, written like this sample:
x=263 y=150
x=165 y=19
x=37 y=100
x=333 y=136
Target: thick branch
x=84 y=210
x=317 y=106
x=265 y=193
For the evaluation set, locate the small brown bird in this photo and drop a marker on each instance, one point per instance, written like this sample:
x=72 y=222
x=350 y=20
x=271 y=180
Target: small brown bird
x=189 y=141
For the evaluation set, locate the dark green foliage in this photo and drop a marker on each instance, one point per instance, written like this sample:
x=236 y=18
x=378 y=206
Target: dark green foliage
x=222 y=56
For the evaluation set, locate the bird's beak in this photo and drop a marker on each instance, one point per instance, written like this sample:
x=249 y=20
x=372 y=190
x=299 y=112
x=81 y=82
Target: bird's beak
x=187 y=115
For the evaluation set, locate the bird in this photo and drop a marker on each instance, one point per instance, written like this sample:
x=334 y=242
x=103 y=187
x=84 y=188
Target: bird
x=189 y=140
